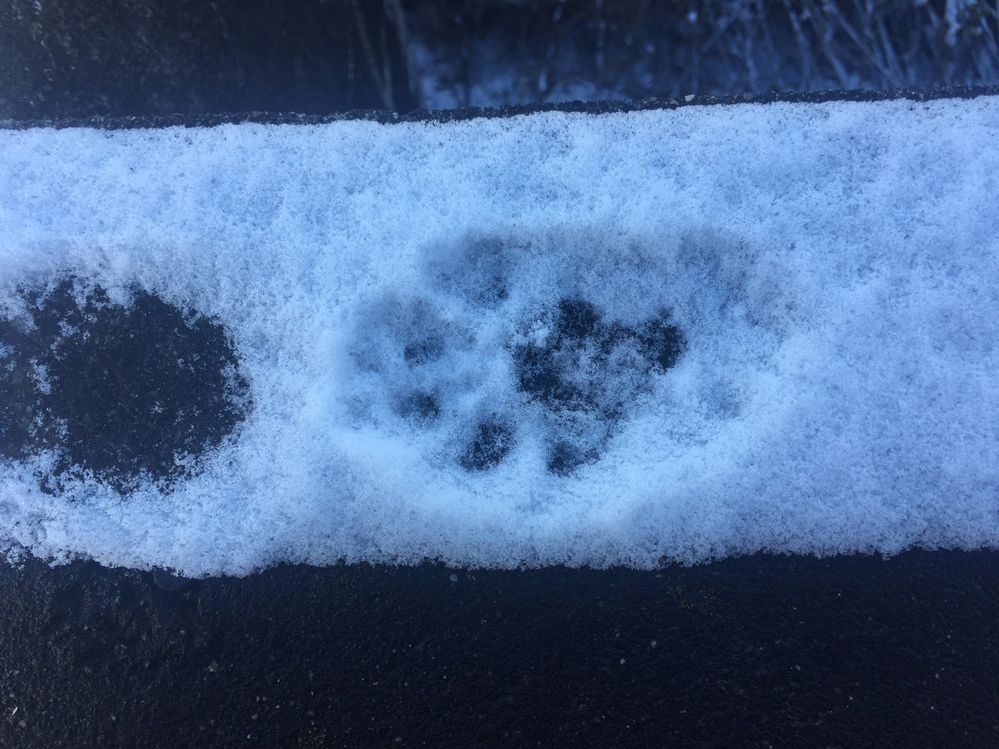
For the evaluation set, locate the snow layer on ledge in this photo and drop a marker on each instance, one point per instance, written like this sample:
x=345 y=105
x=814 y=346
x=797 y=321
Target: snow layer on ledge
x=829 y=269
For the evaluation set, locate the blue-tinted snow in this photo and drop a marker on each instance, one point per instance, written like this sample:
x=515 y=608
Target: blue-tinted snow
x=832 y=269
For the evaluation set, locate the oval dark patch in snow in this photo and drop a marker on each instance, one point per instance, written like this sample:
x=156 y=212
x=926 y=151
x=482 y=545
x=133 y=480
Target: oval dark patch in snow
x=120 y=392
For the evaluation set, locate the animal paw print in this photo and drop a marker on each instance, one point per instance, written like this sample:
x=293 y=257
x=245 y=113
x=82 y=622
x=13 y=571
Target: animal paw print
x=584 y=371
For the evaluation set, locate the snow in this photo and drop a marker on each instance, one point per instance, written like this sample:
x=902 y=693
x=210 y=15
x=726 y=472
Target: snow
x=825 y=272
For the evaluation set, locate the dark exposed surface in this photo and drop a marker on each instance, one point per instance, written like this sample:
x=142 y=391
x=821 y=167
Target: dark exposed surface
x=118 y=58
x=66 y=59
x=116 y=391
x=755 y=652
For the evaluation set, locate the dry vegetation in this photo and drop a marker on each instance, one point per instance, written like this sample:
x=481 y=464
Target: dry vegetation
x=475 y=52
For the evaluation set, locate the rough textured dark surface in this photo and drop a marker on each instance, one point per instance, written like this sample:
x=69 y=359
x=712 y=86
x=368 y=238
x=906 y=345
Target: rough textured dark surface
x=754 y=652
x=118 y=58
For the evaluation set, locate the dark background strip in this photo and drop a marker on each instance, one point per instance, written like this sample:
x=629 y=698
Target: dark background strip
x=760 y=651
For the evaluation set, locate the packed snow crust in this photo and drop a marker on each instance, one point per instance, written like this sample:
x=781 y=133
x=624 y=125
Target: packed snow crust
x=622 y=339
